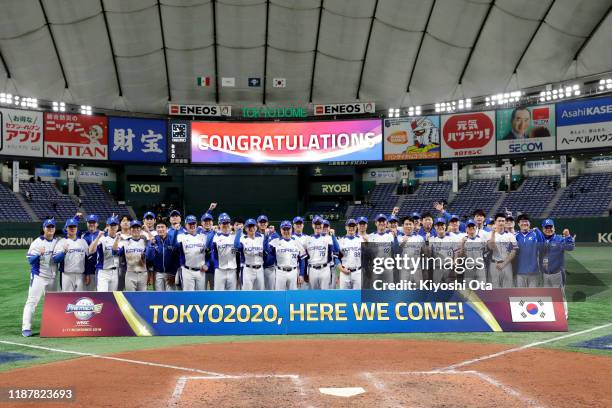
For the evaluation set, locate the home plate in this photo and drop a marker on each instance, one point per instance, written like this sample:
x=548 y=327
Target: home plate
x=342 y=392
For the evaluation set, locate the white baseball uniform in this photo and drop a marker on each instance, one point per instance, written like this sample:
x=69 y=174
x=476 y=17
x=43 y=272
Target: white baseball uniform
x=350 y=249
x=412 y=246
x=382 y=247
x=474 y=250
x=42 y=278
x=72 y=263
x=505 y=243
x=319 y=249
x=302 y=238
x=253 y=251
x=288 y=253
x=193 y=257
x=443 y=250
x=136 y=274
x=224 y=257
x=108 y=265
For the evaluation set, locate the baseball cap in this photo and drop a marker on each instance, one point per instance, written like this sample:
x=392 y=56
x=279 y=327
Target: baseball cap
x=381 y=217
x=249 y=222
x=454 y=217
x=548 y=223
x=285 y=224
x=523 y=216
x=262 y=218
x=175 y=212
x=224 y=218
x=325 y=222
x=92 y=218
x=470 y=222
x=392 y=218
x=298 y=219
x=206 y=217
x=440 y=220
x=135 y=223
x=317 y=220
x=351 y=221
x=416 y=216
x=48 y=222
x=148 y=214
x=489 y=221
x=71 y=222
x=112 y=221
x=191 y=219
x=362 y=220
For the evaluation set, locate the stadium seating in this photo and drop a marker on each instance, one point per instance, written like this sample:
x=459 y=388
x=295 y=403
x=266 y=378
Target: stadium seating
x=46 y=200
x=95 y=200
x=11 y=208
x=587 y=195
x=475 y=194
x=532 y=197
x=382 y=199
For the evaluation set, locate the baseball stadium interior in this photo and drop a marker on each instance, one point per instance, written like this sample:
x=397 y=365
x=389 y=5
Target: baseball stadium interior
x=305 y=203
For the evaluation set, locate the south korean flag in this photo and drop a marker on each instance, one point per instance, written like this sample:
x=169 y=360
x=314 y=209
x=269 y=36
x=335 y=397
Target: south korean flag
x=532 y=309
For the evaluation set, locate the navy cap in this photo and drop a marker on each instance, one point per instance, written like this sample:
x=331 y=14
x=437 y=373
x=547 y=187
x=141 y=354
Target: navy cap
x=351 y=221
x=191 y=219
x=262 y=218
x=381 y=217
x=416 y=216
x=285 y=224
x=392 y=218
x=317 y=220
x=489 y=221
x=92 y=218
x=112 y=221
x=470 y=222
x=206 y=217
x=49 y=222
x=250 y=222
x=148 y=214
x=326 y=222
x=175 y=212
x=224 y=218
x=548 y=223
x=298 y=219
x=362 y=219
x=71 y=222
x=440 y=220
x=509 y=217
x=135 y=223
x=454 y=217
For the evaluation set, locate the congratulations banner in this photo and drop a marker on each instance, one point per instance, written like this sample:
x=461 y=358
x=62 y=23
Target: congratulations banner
x=290 y=142
x=297 y=312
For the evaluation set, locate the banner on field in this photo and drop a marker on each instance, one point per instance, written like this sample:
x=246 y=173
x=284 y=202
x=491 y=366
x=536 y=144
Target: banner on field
x=526 y=129
x=21 y=133
x=468 y=134
x=176 y=109
x=584 y=124
x=74 y=314
x=286 y=142
x=70 y=136
x=179 y=141
x=344 y=108
x=412 y=138
x=140 y=140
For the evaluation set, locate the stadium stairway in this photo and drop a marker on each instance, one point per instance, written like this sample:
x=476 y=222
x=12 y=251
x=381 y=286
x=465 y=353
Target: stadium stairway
x=498 y=204
x=26 y=207
x=553 y=203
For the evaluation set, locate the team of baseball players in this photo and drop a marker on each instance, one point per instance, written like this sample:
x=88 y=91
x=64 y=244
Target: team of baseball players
x=131 y=255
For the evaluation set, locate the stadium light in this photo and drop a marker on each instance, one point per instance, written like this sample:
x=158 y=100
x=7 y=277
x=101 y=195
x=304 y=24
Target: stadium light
x=503 y=98
x=59 y=107
x=393 y=113
x=561 y=93
x=605 y=84
x=85 y=110
x=18 y=101
x=414 y=111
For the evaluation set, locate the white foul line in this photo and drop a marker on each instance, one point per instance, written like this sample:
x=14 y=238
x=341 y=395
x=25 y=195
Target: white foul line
x=515 y=349
x=123 y=360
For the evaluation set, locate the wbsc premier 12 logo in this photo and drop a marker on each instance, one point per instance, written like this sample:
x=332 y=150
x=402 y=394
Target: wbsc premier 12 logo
x=84 y=308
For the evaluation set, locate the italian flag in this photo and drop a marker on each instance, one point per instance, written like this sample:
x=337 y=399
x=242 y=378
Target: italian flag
x=203 y=81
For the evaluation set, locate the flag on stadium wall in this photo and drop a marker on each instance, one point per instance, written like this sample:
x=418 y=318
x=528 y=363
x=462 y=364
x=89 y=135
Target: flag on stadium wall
x=76 y=136
x=254 y=82
x=228 y=81
x=134 y=139
x=203 y=81
x=532 y=309
x=279 y=82
x=21 y=133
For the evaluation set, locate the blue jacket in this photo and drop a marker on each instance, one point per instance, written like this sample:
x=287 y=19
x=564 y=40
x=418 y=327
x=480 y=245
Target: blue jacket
x=529 y=245
x=552 y=249
x=91 y=261
x=163 y=254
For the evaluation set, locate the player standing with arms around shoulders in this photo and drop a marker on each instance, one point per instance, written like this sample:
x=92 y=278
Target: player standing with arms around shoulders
x=503 y=246
x=319 y=254
x=288 y=255
x=223 y=255
x=108 y=262
x=162 y=254
x=251 y=246
x=473 y=248
x=383 y=244
x=133 y=249
x=70 y=253
x=192 y=250
x=349 y=257
x=42 y=271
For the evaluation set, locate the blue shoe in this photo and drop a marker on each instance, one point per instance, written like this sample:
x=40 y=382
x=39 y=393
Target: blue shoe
x=26 y=333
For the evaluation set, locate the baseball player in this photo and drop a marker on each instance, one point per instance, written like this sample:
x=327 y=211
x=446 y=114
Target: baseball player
x=427 y=226
x=503 y=249
x=392 y=224
x=192 y=249
x=288 y=255
x=107 y=269
x=473 y=248
x=362 y=226
x=328 y=231
x=42 y=271
x=251 y=246
x=124 y=234
x=91 y=260
x=148 y=224
x=454 y=227
x=349 y=259
x=207 y=228
x=510 y=224
x=298 y=233
x=482 y=230
x=319 y=250
x=552 y=255
x=412 y=245
x=528 y=243
x=70 y=253
x=134 y=251
x=269 y=268
x=443 y=248
x=223 y=255
x=163 y=255
x=175 y=225
x=416 y=218
x=385 y=245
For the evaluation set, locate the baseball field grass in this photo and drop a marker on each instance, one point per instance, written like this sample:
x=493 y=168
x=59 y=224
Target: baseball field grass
x=588 y=293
